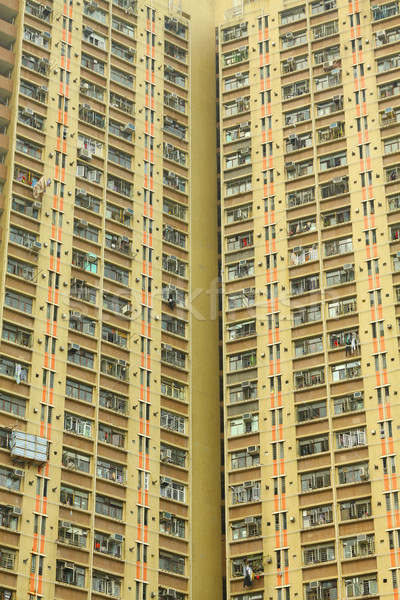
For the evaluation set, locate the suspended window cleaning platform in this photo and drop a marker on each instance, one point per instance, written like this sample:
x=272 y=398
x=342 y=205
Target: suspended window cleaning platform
x=25 y=446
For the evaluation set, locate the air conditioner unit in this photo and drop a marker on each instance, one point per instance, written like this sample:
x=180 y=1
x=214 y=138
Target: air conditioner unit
x=288 y=35
x=249 y=520
x=171 y=593
x=28 y=111
x=74 y=314
x=337 y=180
x=166 y=516
x=247 y=291
x=247 y=417
x=297 y=249
x=347 y=267
x=242 y=264
x=292 y=137
x=313 y=585
x=336 y=98
x=92 y=5
x=73 y=347
x=127 y=309
x=80 y=192
x=37 y=205
x=245 y=384
x=329 y=64
x=357 y=395
x=334 y=126
x=116 y=537
x=381 y=34
x=69 y=565
x=128 y=127
x=66 y=524
x=36 y=246
x=124 y=239
x=85 y=106
x=239 y=99
x=82 y=224
x=167 y=347
x=166 y=453
x=91 y=257
x=47 y=35
x=121 y=362
x=252 y=450
x=128 y=212
x=87 y=29
x=362 y=537
x=84 y=87
x=18 y=473
x=248 y=484
x=164 y=481
x=244 y=124
x=290 y=165
x=363 y=473
x=16 y=510
x=84 y=153
x=44 y=88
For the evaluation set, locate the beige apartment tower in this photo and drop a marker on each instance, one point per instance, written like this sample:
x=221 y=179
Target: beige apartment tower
x=200 y=227
x=309 y=144
x=102 y=410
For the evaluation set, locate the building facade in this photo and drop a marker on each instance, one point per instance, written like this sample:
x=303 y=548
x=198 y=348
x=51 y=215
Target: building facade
x=102 y=412
x=309 y=180
x=132 y=135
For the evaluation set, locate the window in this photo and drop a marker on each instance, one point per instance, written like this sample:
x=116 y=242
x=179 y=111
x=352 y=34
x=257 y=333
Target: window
x=75 y=461
x=332 y=161
x=315 y=480
x=20 y=269
x=350 y=403
x=313 y=445
x=121 y=77
x=67 y=572
x=314 y=517
x=361 y=586
x=250 y=491
x=78 y=425
x=116 y=273
x=110 y=470
x=293 y=15
x=348 y=370
x=357 y=546
x=243 y=458
x=355 y=509
x=72 y=535
x=78 y=390
x=172 y=525
x=242 y=529
x=353 y=473
x=171 y=563
x=81 y=357
x=120 y=158
x=311 y=411
x=9 y=480
x=173 y=389
x=113 y=401
x=109 y=507
x=12 y=404
x=318 y=554
x=172 y=421
x=19 y=302
x=245 y=424
x=74 y=498
x=321 y=589
x=105 y=544
x=111 y=435
x=340 y=276
x=244 y=360
x=172 y=490
x=107 y=584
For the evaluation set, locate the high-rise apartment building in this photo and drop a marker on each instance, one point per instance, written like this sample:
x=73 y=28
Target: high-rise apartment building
x=309 y=168
x=106 y=380
x=126 y=129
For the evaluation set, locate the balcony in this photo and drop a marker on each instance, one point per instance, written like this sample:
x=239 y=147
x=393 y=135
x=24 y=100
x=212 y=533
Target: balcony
x=302 y=226
x=175 y=128
x=321 y=590
x=11 y=368
x=390 y=116
x=234 y=33
x=240 y=270
x=291 y=64
x=256 y=562
x=174 y=236
x=38 y=38
x=112 y=436
x=346 y=339
x=113 y=402
x=250 y=491
x=239 y=242
x=358 y=587
x=321 y=6
x=355 y=509
x=388 y=90
x=291 y=40
x=238 y=362
x=335 y=131
x=340 y=276
x=336 y=218
x=173 y=101
x=110 y=471
x=308 y=346
x=172 y=25
x=297 y=116
x=386 y=36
